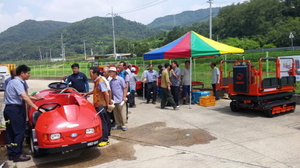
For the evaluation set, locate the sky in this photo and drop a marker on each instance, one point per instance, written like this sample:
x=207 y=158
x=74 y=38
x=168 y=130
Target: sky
x=13 y=12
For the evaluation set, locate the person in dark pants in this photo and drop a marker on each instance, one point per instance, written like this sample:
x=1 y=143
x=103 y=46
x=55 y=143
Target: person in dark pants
x=151 y=78
x=124 y=74
x=215 y=80
x=166 y=89
x=78 y=79
x=107 y=80
x=175 y=80
x=133 y=78
x=14 y=114
x=101 y=101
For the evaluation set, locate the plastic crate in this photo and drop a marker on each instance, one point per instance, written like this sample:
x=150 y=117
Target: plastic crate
x=207 y=101
x=197 y=94
x=210 y=92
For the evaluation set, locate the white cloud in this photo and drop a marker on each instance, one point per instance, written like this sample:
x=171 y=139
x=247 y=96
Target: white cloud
x=11 y=20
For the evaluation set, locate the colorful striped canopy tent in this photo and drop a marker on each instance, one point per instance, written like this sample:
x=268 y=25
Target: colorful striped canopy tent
x=192 y=45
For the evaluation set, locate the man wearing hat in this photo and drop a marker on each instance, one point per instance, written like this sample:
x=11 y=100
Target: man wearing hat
x=118 y=91
x=133 y=78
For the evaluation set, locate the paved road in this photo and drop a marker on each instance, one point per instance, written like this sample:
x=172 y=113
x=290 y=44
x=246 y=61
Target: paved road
x=196 y=137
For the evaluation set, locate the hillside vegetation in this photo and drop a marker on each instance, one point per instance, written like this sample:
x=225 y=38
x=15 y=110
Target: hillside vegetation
x=96 y=31
x=182 y=19
x=31 y=30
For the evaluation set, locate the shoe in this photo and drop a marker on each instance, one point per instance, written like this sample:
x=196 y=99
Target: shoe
x=153 y=102
x=184 y=102
x=164 y=108
x=10 y=158
x=147 y=102
x=124 y=129
x=115 y=127
x=22 y=158
x=104 y=143
x=175 y=108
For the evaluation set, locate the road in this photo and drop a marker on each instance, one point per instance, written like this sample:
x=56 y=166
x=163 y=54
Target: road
x=197 y=137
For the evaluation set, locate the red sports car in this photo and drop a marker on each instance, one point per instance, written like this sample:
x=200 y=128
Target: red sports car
x=70 y=121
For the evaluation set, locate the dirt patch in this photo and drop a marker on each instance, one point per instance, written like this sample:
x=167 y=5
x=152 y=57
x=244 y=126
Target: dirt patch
x=147 y=135
x=158 y=134
x=95 y=156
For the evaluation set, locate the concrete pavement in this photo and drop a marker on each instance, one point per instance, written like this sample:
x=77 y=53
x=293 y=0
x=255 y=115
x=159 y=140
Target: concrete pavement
x=197 y=137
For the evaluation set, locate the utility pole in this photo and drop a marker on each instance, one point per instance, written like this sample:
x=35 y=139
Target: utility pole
x=84 y=49
x=113 y=27
x=210 y=19
x=174 y=21
x=50 y=54
x=62 y=48
x=41 y=57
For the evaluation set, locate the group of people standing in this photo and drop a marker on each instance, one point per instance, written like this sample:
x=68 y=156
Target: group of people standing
x=172 y=78
x=113 y=93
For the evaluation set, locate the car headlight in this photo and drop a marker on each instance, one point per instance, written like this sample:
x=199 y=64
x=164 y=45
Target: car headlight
x=55 y=136
x=90 y=131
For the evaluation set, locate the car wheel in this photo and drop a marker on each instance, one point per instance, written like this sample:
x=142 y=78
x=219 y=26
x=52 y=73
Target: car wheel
x=34 y=152
x=233 y=106
x=139 y=92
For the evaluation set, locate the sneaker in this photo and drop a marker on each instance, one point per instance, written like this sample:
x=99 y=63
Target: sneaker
x=104 y=143
x=22 y=158
x=115 y=127
x=177 y=107
x=124 y=129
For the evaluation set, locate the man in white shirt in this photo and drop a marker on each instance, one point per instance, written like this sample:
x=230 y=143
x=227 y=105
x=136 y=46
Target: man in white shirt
x=215 y=80
x=186 y=81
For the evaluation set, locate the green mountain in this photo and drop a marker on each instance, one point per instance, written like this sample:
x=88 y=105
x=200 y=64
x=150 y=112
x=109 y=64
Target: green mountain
x=182 y=19
x=30 y=39
x=31 y=30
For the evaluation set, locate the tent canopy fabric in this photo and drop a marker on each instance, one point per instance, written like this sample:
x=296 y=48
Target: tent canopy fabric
x=192 y=45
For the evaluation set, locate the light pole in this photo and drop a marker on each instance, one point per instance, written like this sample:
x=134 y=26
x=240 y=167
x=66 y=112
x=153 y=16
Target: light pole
x=291 y=36
x=84 y=49
x=113 y=27
x=210 y=19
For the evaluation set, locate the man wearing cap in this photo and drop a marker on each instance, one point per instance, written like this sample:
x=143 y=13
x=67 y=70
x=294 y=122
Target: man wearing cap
x=14 y=113
x=118 y=91
x=151 y=78
x=133 y=78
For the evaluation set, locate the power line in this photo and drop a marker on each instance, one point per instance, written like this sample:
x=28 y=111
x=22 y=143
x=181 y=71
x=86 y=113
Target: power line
x=153 y=3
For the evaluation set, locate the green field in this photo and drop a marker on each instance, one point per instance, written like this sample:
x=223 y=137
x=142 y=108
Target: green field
x=201 y=69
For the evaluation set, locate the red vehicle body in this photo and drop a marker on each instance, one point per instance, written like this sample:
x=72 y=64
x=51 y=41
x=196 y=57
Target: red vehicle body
x=251 y=88
x=70 y=121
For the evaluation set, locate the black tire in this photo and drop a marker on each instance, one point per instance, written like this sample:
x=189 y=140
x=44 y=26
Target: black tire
x=268 y=112
x=139 y=92
x=291 y=111
x=233 y=106
x=34 y=152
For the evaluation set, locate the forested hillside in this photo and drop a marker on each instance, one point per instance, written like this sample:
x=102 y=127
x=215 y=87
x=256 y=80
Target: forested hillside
x=96 y=31
x=249 y=25
x=266 y=23
x=182 y=19
x=31 y=30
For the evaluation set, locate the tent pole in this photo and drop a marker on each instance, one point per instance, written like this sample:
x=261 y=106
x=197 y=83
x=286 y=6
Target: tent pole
x=143 y=80
x=194 y=67
x=191 y=63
